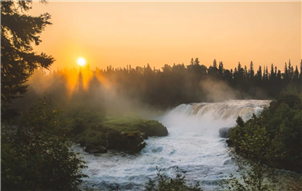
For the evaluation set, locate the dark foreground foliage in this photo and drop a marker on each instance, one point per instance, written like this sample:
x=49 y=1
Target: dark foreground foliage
x=251 y=176
x=164 y=183
x=19 y=31
x=273 y=138
x=36 y=155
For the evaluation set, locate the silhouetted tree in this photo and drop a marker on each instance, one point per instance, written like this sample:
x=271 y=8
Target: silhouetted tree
x=214 y=63
x=251 y=70
x=18 y=60
x=196 y=62
x=220 y=70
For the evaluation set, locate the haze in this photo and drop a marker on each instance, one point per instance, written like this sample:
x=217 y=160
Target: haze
x=158 y=33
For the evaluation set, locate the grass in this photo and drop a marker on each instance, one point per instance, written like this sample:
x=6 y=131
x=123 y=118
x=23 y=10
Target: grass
x=132 y=123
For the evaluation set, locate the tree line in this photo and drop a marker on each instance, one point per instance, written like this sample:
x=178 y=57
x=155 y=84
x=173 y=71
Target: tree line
x=176 y=84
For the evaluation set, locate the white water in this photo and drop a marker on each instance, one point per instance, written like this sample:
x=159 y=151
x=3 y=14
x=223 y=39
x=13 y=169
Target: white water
x=193 y=145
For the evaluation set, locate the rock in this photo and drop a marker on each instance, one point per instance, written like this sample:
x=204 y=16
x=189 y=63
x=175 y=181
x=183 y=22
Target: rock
x=227 y=162
x=143 y=135
x=95 y=149
x=153 y=128
x=141 y=145
x=224 y=132
x=135 y=141
x=229 y=142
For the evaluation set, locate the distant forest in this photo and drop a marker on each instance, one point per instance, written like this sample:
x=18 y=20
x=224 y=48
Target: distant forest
x=172 y=85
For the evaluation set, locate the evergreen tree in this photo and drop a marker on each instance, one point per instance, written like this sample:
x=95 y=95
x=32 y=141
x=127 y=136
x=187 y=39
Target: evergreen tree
x=196 y=62
x=220 y=69
x=239 y=66
x=18 y=60
x=285 y=76
x=192 y=61
x=273 y=74
x=290 y=70
x=296 y=73
x=252 y=70
x=214 y=63
x=259 y=73
x=301 y=70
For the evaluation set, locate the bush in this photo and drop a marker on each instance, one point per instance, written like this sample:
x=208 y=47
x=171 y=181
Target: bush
x=273 y=138
x=36 y=153
x=251 y=176
x=83 y=119
x=164 y=183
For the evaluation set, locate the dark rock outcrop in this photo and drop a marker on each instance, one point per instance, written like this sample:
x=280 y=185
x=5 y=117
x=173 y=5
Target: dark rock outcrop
x=153 y=128
x=129 y=141
x=229 y=142
x=124 y=134
x=143 y=135
x=224 y=132
x=95 y=149
x=134 y=141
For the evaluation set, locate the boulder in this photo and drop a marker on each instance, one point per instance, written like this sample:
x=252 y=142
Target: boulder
x=153 y=128
x=224 y=132
x=95 y=149
x=135 y=141
x=143 y=135
x=229 y=142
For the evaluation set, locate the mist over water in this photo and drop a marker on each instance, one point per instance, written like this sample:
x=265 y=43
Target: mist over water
x=193 y=147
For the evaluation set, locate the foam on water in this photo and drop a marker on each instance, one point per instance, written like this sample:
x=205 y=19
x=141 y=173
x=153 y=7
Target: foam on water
x=193 y=147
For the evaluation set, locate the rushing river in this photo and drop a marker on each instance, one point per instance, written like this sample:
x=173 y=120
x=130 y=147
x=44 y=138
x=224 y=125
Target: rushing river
x=193 y=147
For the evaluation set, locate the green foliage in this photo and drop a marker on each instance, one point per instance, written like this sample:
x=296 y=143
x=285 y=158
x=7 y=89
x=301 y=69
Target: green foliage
x=128 y=123
x=122 y=123
x=250 y=176
x=36 y=153
x=84 y=118
x=164 y=183
x=274 y=138
x=240 y=121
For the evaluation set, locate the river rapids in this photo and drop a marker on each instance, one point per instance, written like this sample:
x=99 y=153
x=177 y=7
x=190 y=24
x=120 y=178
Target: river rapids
x=193 y=148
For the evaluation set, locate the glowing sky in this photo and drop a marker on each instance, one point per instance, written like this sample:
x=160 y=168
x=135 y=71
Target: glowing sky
x=158 y=33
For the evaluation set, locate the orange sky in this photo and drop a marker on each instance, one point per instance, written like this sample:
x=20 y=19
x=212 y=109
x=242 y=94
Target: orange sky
x=158 y=33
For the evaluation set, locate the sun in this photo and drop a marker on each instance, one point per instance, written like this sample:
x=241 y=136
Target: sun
x=81 y=61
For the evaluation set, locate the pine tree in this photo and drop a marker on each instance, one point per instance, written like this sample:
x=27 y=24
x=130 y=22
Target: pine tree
x=285 y=71
x=301 y=70
x=220 y=68
x=214 y=63
x=196 y=62
x=18 y=60
x=273 y=74
x=192 y=61
x=252 y=73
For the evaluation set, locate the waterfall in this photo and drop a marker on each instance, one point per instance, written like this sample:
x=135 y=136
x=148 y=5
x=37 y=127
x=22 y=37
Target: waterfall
x=193 y=147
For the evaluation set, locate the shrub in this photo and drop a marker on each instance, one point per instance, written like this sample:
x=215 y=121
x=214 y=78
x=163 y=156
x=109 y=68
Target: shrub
x=273 y=138
x=164 y=183
x=36 y=154
x=251 y=176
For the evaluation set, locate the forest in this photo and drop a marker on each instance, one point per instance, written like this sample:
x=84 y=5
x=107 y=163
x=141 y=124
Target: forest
x=45 y=112
x=165 y=88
